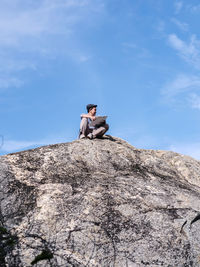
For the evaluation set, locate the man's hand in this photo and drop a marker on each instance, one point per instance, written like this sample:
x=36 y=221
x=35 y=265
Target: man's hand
x=93 y=118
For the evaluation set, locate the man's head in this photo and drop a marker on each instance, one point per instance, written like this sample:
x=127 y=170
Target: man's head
x=92 y=109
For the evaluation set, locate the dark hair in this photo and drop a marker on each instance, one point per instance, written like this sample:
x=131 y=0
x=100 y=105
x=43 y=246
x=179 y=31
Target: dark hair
x=90 y=106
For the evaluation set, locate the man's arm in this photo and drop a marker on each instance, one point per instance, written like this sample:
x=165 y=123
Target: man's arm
x=88 y=116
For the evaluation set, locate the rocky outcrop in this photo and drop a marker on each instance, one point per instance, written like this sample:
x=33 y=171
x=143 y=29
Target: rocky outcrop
x=99 y=203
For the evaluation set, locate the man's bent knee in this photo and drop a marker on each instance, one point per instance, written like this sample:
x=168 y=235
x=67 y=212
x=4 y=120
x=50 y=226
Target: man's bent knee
x=106 y=126
x=84 y=126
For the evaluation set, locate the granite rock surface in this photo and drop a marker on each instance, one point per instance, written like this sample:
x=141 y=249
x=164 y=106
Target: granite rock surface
x=99 y=203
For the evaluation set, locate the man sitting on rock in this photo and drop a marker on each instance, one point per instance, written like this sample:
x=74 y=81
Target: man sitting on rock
x=92 y=126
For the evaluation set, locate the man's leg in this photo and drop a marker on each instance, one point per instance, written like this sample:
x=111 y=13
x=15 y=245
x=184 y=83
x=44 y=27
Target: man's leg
x=99 y=132
x=83 y=128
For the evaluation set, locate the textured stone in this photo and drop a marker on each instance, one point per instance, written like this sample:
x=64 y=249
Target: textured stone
x=99 y=203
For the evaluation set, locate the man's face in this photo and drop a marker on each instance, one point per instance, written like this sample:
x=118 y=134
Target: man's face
x=93 y=111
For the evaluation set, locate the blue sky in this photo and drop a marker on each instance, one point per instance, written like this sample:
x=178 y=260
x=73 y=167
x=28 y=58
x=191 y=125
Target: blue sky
x=138 y=60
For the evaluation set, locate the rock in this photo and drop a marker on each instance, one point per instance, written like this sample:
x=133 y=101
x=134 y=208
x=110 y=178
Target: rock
x=99 y=203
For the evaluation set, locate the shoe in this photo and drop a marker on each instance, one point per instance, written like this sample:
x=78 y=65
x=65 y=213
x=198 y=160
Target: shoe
x=82 y=136
x=90 y=136
x=100 y=137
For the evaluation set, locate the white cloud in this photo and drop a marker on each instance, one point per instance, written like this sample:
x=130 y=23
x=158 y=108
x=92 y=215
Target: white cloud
x=190 y=52
x=182 y=83
x=178 y=6
x=181 y=25
x=33 y=20
x=160 y=27
x=190 y=149
x=194 y=8
x=83 y=58
x=9 y=64
x=194 y=100
x=129 y=45
x=9 y=146
x=184 y=89
x=141 y=141
x=33 y=31
x=137 y=51
x=7 y=82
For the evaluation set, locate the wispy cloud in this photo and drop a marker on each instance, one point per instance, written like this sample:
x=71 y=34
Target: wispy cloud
x=181 y=25
x=194 y=8
x=129 y=45
x=189 y=149
x=184 y=89
x=182 y=83
x=9 y=145
x=6 y=82
x=194 y=100
x=32 y=31
x=83 y=58
x=136 y=50
x=11 y=64
x=190 y=51
x=178 y=6
x=160 y=27
x=145 y=141
x=33 y=20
